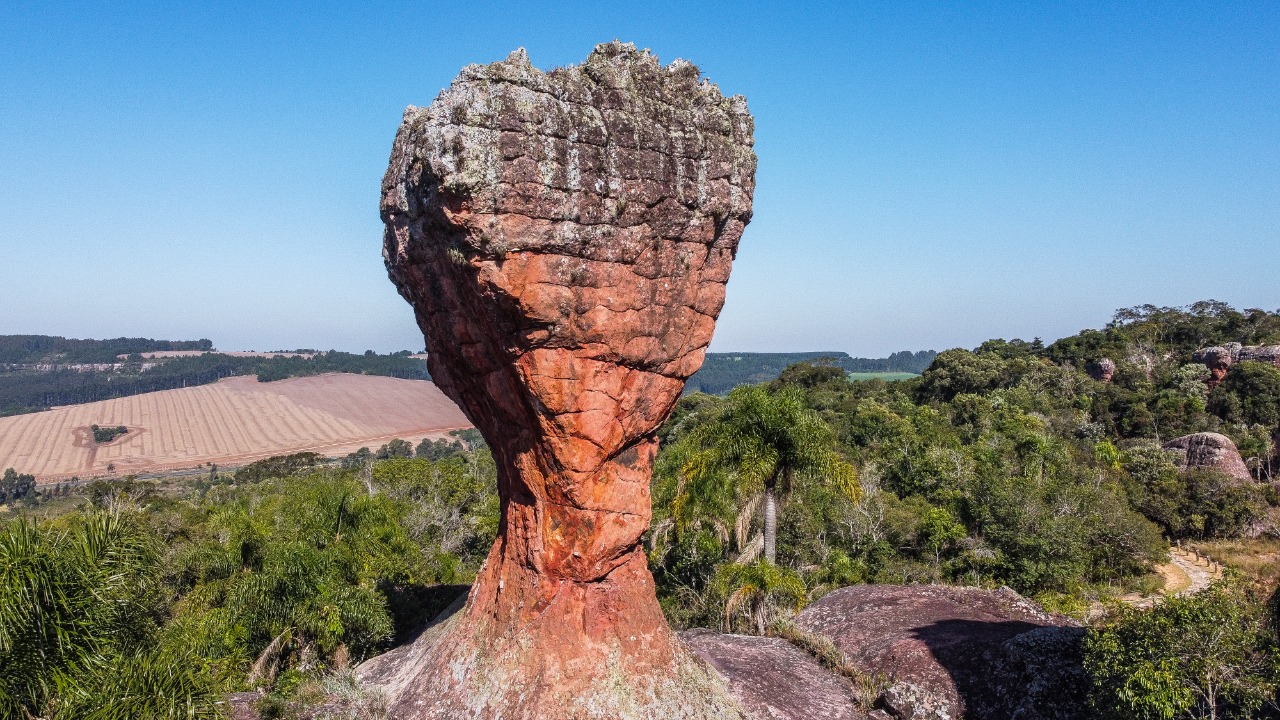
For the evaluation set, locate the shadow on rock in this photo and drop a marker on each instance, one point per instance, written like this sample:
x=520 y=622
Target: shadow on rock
x=956 y=652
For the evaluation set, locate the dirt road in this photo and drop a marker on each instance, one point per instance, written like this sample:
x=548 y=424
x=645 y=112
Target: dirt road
x=1186 y=573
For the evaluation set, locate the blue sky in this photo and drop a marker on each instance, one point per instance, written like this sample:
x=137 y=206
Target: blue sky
x=931 y=175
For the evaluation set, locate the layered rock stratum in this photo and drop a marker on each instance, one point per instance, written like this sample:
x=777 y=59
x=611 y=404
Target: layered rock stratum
x=565 y=239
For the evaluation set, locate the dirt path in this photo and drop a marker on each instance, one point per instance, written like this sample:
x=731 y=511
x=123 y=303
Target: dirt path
x=1186 y=573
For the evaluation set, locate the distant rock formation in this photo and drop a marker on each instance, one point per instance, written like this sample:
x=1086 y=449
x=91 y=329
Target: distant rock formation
x=1102 y=370
x=957 y=652
x=565 y=239
x=1220 y=358
x=1210 y=450
x=1269 y=354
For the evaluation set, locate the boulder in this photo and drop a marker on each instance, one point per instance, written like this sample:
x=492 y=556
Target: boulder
x=565 y=239
x=1102 y=370
x=956 y=652
x=1210 y=450
x=774 y=679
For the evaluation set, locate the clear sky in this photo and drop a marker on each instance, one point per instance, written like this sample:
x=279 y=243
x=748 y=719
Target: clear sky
x=931 y=175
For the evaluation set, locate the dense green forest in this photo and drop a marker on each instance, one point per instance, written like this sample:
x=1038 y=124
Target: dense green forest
x=724 y=371
x=1003 y=465
x=26 y=390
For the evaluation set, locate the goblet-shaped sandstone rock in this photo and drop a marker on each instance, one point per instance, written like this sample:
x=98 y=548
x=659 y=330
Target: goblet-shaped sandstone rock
x=565 y=239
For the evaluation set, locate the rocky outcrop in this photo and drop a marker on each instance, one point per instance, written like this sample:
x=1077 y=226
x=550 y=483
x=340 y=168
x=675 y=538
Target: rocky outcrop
x=774 y=679
x=1210 y=450
x=1220 y=358
x=955 y=652
x=1269 y=354
x=1102 y=370
x=565 y=239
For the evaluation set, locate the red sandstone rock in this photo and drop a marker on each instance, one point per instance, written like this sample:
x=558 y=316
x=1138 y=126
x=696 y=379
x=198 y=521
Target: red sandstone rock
x=1210 y=450
x=565 y=239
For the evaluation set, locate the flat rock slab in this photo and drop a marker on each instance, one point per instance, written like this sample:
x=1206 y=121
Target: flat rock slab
x=955 y=652
x=775 y=680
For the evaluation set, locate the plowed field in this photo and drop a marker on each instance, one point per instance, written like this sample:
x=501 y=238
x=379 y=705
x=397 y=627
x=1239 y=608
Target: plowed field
x=229 y=423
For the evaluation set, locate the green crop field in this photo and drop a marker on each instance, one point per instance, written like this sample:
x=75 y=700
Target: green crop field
x=886 y=376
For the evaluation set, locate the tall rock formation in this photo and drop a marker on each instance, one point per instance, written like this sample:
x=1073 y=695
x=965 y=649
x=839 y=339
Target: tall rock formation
x=565 y=239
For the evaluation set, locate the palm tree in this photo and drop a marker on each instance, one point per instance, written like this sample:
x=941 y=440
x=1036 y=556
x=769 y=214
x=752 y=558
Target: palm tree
x=754 y=450
x=757 y=587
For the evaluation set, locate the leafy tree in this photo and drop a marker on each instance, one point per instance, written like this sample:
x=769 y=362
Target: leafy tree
x=1249 y=395
x=1208 y=655
x=15 y=486
x=397 y=448
x=438 y=449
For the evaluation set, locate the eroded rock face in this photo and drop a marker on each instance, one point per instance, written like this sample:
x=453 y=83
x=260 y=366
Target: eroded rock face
x=1210 y=450
x=957 y=652
x=565 y=239
x=1102 y=370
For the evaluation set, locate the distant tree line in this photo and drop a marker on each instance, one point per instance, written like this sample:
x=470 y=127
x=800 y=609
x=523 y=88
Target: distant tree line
x=16 y=349
x=721 y=372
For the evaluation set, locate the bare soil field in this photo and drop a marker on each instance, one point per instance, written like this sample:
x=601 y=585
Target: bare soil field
x=228 y=423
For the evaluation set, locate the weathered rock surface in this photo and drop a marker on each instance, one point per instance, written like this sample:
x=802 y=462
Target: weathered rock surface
x=1102 y=370
x=565 y=239
x=1269 y=354
x=1219 y=359
x=1210 y=450
x=774 y=679
x=954 y=652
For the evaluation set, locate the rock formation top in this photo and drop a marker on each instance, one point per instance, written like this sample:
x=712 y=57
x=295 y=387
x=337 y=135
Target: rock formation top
x=587 y=195
x=1102 y=370
x=1210 y=450
x=565 y=238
